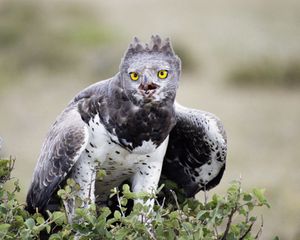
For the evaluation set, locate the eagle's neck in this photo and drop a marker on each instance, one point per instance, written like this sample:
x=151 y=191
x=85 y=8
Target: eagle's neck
x=135 y=123
x=130 y=123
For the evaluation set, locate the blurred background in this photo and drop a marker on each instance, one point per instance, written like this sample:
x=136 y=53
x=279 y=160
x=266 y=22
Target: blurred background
x=241 y=61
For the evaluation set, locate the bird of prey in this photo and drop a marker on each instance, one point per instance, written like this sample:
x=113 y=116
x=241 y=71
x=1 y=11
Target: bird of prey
x=131 y=126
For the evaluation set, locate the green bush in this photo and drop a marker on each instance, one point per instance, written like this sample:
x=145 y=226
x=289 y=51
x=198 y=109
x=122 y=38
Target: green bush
x=222 y=217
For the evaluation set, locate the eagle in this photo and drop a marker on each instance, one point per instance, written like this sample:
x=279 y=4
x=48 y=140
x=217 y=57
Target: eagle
x=130 y=126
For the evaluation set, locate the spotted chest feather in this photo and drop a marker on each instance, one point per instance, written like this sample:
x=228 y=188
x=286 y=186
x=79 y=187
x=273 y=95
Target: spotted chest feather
x=120 y=164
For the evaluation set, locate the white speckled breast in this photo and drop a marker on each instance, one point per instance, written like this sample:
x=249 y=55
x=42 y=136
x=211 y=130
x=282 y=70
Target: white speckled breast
x=119 y=163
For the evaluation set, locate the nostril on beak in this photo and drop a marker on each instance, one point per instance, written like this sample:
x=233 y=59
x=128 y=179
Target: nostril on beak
x=152 y=86
x=148 y=86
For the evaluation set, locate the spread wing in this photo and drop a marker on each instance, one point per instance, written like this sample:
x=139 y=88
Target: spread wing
x=62 y=147
x=196 y=153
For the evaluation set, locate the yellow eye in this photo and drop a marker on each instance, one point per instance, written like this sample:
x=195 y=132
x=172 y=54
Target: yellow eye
x=134 y=76
x=162 y=74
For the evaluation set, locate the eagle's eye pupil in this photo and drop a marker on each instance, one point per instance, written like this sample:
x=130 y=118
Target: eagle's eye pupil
x=162 y=74
x=134 y=76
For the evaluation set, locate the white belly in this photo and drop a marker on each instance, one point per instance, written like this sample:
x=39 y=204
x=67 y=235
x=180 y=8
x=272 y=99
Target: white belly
x=118 y=162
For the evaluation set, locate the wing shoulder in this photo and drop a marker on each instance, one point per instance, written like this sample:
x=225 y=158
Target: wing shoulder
x=96 y=89
x=63 y=145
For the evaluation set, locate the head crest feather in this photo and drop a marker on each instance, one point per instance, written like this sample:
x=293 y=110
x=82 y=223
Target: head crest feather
x=156 y=45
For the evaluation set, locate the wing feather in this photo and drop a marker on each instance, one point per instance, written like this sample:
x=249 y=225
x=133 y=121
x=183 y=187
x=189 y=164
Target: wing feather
x=196 y=153
x=63 y=145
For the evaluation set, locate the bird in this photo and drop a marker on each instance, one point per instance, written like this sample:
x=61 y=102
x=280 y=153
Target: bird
x=132 y=127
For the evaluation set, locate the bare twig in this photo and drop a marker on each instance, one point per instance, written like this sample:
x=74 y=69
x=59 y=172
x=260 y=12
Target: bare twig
x=248 y=230
x=119 y=204
x=260 y=229
x=177 y=204
x=151 y=234
x=216 y=231
x=205 y=195
x=228 y=224
x=149 y=226
x=180 y=212
x=161 y=206
x=233 y=211
x=175 y=198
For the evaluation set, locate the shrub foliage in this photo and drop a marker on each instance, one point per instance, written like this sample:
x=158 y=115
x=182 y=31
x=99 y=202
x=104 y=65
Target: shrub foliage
x=222 y=217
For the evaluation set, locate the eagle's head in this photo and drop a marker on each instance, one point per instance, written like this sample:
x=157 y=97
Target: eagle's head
x=150 y=72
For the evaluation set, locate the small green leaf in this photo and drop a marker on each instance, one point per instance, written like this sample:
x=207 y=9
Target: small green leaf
x=71 y=182
x=68 y=189
x=19 y=219
x=30 y=223
x=59 y=218
x=78 y=202
x=187 y=226
x=40 y=220
x=259 y=194
x=101 y=174
x=17 y=187
x=66 y=233
x=124 y=201
x=61 y=193
x=80 y=212
x=243 y=211
x=174 y=215
x=4 y=229
x=121 y=234
x=126 y=188
x=247 y=197
x=48 y=228
x=55 y=236
x=117 y=215
x=113 y=191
